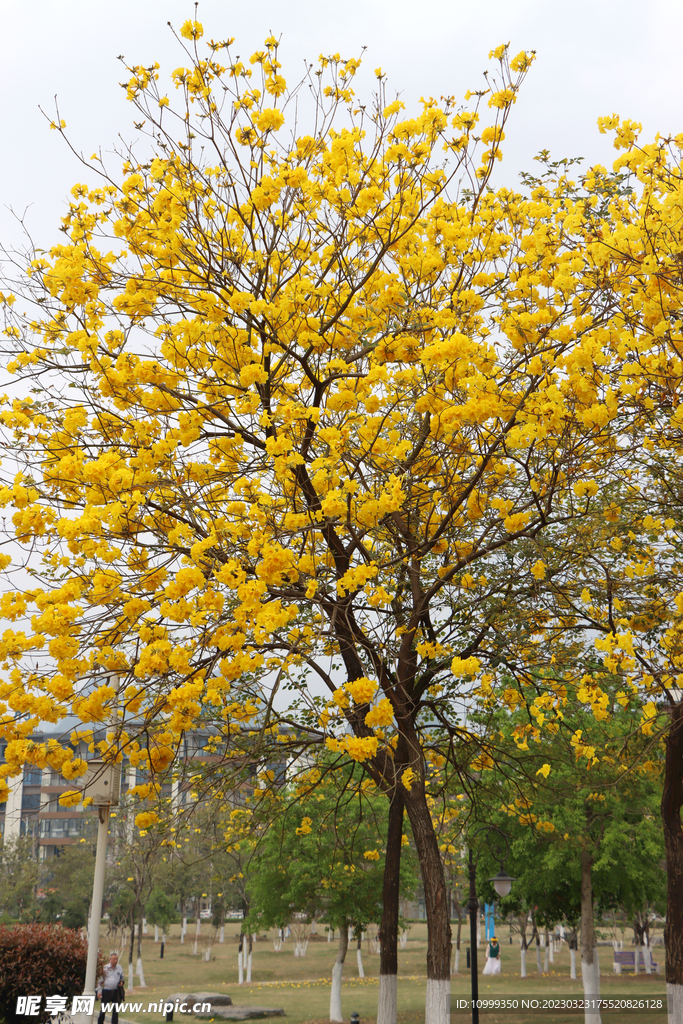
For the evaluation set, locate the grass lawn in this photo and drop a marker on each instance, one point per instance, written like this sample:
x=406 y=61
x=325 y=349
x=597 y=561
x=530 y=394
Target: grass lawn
x=301 y=985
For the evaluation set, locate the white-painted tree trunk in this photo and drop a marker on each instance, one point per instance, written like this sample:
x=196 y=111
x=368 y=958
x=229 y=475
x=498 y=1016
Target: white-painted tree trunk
x=438 y=1001
x=335 y=992
x=359 y=959
x=590 y=964
x=221 y=937
x=139 y=971
x=546 y=959
x=131 y=974
x=522 y=963
x=456 y=965
x=647 y=959
x=539 y=969
x=240 y=967
x=387 y=1003
x=198 y=929
x=249 y=958
x=674 y=1000
x=329 y=935
x=156 y=932
x=590 y=976
x=551 y=948
x=572 y=964
x=144 y=926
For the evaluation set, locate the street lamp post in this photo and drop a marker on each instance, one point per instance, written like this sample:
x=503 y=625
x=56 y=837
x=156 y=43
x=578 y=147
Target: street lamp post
x=502 y=884
x=102 y=783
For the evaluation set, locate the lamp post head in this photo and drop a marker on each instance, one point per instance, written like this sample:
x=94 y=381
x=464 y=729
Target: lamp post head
x=502 y=882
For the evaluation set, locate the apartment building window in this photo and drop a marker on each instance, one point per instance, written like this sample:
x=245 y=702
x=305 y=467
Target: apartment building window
x=55 y=779
x=59 y=828
x=33 y=777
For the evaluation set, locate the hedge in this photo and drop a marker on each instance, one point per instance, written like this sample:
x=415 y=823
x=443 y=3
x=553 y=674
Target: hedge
x=40 y=959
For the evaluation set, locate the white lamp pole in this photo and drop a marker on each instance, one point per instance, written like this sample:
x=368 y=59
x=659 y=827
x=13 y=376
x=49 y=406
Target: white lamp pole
x=96 y=904
x=101 y=783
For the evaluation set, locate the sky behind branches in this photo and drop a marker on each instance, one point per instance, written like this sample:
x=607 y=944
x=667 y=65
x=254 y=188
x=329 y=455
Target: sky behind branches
x=595 y=57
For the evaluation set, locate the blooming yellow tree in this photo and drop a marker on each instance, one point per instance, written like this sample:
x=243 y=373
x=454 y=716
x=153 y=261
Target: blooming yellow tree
x=297 y=400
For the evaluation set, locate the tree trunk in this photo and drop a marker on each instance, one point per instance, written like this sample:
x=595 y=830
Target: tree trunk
x=535 y=936
x=672 y=800
x=456 y=965
x=359 y=956
x=131 y=949
x=522 y=962
x=437 y=1000
x=572 y=963
x=249 y=957
x=546 y=954
x=590 y=967
x=240 y=963
x=647 y=959
x=138 y=967
x=388 y=930
x=335 y=994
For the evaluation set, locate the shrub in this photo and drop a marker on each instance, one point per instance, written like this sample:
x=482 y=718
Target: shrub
x=40 y=959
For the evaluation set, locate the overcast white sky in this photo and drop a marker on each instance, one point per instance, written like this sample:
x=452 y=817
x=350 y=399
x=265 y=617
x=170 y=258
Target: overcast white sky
x=594 y=57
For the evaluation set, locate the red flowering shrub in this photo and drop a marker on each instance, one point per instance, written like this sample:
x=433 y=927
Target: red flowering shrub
x=39 y=960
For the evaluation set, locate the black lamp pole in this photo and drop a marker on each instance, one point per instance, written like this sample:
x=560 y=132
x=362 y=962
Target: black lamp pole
x=501 y=883
x=473 y=905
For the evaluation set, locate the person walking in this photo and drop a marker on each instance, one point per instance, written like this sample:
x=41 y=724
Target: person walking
x=492 y=965
x=110 y=988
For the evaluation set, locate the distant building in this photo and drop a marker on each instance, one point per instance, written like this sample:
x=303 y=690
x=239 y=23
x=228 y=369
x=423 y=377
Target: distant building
x=33 y=805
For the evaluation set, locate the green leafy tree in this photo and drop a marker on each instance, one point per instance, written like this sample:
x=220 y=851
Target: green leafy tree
x=584 y=829
x=322 y=857
x=67 y=881
x=19 y=876
x=160 y=909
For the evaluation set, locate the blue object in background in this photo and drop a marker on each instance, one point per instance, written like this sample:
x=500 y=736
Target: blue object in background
x=488 y=920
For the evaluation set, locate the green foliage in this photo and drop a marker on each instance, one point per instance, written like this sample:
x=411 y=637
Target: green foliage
x=160 y=908
x=322 y=856
x=67 y=885
x=561 y=803
x=19 y=872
